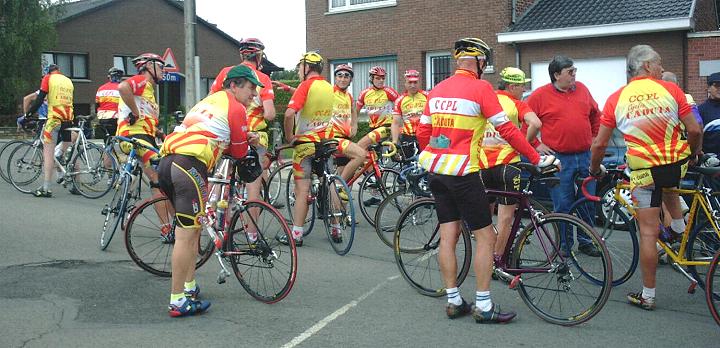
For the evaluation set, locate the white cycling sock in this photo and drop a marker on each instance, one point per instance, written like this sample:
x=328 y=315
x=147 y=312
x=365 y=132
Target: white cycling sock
x=648 y=293
x=297 y=232
x=482 y=301
x=453 y=296
x=678 y=225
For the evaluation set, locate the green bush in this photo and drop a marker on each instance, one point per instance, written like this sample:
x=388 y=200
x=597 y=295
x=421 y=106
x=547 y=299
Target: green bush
x=282 y=98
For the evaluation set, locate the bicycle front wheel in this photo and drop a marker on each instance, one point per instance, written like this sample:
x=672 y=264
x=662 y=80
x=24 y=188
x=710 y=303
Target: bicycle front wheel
x=374 y=190
x=338 y=215
x=93 y=171
x=712 y=288
x=290 y=200
x=388 y=214
x=702 y=245
x=275 y=188
x=416 y=245
x=5 y=152
x=265 y=267
x=150 y=237
x=115 y=212
x=550 y=284
x=25 y=167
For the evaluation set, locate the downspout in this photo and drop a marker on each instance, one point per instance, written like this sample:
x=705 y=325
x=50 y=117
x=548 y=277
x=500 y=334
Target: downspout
x=513 y=16
x=517 y=54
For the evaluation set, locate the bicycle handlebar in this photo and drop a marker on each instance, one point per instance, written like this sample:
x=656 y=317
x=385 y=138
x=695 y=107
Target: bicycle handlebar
x=585 y=192
x=391 y=145
x=135 y=142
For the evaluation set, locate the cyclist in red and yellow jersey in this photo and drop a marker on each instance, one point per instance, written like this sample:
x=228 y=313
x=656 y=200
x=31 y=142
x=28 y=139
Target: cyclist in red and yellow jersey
x=107 y=99
x=59 y=92
x=450 y=133
x=497 y=156
x=307 y=121
x=344 y=122
x=215 y=125
x=662 y=135
x=406 y=114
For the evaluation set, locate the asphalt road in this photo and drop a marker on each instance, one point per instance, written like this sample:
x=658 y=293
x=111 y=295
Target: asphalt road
x=57 y=289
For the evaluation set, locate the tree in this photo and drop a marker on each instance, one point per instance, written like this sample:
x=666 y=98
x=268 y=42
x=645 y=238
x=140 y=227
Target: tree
x=286 y=74
x=27 y=29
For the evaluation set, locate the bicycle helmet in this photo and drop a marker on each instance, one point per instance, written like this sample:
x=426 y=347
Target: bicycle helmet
x=311 y=58
x=471 y=47
x=115 y=74
x=377 y=70
x=251 y=46
x=248 y=169
x=412 y=75
x=140 y=60
x=344 y=67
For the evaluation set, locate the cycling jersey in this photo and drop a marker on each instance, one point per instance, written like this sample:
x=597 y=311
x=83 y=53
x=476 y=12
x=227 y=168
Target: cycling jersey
x=255 y=111
x=107 y=97
x=342 y=113
x=647 y=111
x=144 y=94
x=495 y=150
x=313 y=102
x=379 y=105
x=214 y=124
x=59 y=90
x=410 y=107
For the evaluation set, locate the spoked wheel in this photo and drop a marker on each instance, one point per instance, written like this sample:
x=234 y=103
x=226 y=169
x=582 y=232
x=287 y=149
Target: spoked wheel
x=702 y=245
x=276 y=182
x=25 y=167
x=551 y=285
x=374 y=190
x=265 y=267
x=388 y=214
x=417 y=241
x=712 y=288
x=150 y=237
x=339 y=215
x=93 y=171
x=5 y=152
x=115 y=212
x=290 y=199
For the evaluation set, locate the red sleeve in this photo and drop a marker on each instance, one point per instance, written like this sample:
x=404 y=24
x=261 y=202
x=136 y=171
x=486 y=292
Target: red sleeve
x=683 y=107
x=489 y=103
x=361 y=99
x=300 y=96
x=607 y=118
x=424 y=128
x=267 y=92
x=137 y=84
x=45 y=84
x=237 y=121
x=392 y=94
x=523 y=109
x=397 y=106
x=217 y=84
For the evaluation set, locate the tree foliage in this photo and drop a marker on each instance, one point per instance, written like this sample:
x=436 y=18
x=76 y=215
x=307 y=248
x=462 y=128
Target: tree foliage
x=27 y=29
x=284 y=75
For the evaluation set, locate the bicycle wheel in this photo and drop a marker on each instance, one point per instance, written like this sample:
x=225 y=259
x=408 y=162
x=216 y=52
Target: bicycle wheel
x=618 y=232
x=115 y=211
x=275 y=192
x=548 y=285
x=702 y=245
x=388 y=214
x=373 y=191
x=338 y=215
x=712 y=290
x=266 y=268
x=25 y=167
x=416 y=242
x=149 y=246
x=290 y=200
x=93 y=171
x=5 y=152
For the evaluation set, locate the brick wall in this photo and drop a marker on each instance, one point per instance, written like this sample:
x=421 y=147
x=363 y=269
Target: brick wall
x=704 y=48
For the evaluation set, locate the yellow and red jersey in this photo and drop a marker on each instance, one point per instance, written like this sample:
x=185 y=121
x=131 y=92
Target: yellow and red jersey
x=342 y=113
x=215 y=124
x=410 y=108
x=59 y=90
x=495 y=149
x=313 y=103
x=147 y=122
x=647 y=112
x=255 y=111
x=379 y=105
x=107 y=97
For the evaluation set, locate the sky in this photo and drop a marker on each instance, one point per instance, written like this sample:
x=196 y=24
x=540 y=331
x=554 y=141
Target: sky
x=279 y=24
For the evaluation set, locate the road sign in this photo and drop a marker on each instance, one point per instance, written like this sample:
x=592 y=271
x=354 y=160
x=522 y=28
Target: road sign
x=170 y=62
x=171 y=77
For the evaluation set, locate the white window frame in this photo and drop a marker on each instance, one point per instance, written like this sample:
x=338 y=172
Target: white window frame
x=428 y=66
x=359 y=7
x=50 y=57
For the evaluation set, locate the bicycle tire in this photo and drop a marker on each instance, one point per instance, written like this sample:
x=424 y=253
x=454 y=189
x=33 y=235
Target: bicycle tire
x=712 y=290
x=411 y=247
x=115 y=212
x=5 y=152
x=267 y=268
x=530 y=247
x=28 y=159
x=388 y=214
x=702 y=245
x=290 y=200
x=375 y=195
x=149 y=248
x=340 y=213
x=91 y=175
x=274 y=194
x=618 y=232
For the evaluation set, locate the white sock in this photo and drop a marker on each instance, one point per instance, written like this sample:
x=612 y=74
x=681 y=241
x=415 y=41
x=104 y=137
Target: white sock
x=297 y=232
x=482 y=301
x=648 y=293
x=678 y=225
x=453 y=296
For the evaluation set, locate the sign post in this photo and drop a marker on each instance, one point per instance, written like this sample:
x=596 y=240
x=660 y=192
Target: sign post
x=170 y=75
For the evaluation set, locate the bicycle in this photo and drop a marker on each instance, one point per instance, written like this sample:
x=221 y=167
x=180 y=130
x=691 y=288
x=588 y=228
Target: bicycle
x=531 y=263
x=128 y=190
x=712 y=288
x=326 y=200
x=32 y=125
x=86 y=165
x=265 y=268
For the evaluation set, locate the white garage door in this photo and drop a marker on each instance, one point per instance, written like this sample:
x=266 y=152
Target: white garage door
x=602 y=76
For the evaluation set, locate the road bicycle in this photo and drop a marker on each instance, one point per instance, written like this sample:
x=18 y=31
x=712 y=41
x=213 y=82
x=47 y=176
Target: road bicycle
x=34 y=126
x=712 y=288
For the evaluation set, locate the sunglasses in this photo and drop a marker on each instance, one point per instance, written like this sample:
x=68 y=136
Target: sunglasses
x=343 y=75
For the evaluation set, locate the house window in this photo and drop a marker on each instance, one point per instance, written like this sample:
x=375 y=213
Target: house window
x=72 y=65
x=125 y=64
x=440 y=65
x=357 y=5
x=361 y=68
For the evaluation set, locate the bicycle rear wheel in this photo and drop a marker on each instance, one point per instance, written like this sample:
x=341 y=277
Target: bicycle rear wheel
x=93 y=171
x=25 y=167
x=374 y=190
x=388 y=214
x=548 y=285
x=265 y=268
x=275 y=192
x=149 y=246
x=5 y=152
x=338 y=215
x=115 y=212
x=416 y=242
x=290 y=200
x=712 y=289
x=702 y=245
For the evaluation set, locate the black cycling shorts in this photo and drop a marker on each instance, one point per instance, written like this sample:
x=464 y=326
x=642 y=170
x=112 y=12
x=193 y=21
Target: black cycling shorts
x=183 y=179
x=460 y=197
x=504 y=177
x=665 y=176
x=110 y=127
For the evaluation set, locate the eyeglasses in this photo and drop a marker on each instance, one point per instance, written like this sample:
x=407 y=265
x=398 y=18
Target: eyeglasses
x=343 y=75
x=571 y=71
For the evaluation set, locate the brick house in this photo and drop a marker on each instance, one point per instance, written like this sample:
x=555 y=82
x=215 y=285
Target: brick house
x=95 y=35
x=597 y=34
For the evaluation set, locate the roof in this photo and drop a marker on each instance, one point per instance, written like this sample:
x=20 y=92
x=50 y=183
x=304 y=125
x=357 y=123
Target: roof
x=556 y=14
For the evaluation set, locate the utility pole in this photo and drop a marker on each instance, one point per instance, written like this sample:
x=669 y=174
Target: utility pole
x=190 y=73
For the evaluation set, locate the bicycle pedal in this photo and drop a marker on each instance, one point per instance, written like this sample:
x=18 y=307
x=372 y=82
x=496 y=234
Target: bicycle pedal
x=514 y=282
x=691 y=289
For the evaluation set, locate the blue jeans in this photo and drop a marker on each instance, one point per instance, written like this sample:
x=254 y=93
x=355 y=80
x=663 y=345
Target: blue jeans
x=566 y=193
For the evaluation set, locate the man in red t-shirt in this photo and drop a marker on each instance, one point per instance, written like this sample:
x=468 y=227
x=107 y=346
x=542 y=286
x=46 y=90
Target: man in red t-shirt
x=570 y=119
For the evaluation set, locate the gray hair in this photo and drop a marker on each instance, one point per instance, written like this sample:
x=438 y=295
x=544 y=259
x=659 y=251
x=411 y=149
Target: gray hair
x=637 y=56
x=669 y=77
